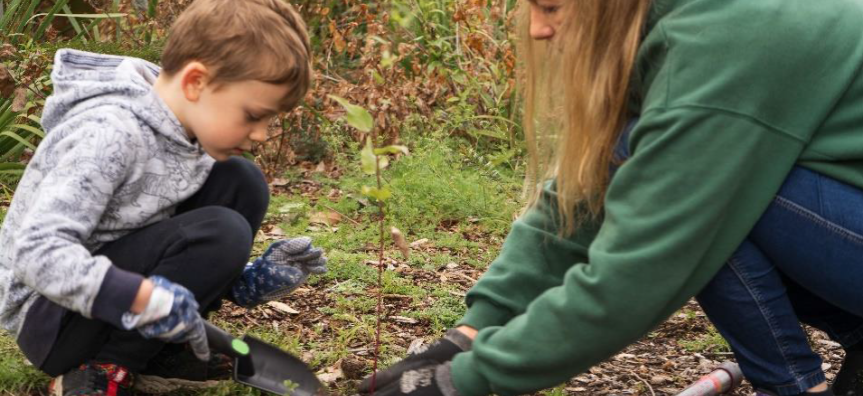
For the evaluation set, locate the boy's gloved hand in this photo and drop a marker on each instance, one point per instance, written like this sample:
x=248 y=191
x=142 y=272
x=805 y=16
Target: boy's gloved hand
x=430 y=380
x=171 y=315
x=284 y=266
x=438 y=352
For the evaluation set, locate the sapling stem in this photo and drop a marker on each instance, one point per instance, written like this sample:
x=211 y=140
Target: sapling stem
x=379 y=309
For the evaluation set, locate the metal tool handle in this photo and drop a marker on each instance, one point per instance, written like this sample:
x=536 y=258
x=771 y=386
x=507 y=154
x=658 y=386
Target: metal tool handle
x=721 y=381
x=223 y=342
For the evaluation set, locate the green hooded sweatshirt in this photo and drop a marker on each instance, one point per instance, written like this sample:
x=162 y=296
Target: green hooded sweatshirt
x=734 y=94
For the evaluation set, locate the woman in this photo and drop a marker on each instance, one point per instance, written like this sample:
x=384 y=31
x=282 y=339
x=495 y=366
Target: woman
x=741 y=181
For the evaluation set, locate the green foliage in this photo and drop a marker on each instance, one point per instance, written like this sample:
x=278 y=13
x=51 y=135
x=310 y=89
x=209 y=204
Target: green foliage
x=368 y=158
x=710 y=342
x=151 y=52
x=559 y=391
x=435 y=186
x=21 y=22
x=14 y=373
x=356 y=116
x=18 y=131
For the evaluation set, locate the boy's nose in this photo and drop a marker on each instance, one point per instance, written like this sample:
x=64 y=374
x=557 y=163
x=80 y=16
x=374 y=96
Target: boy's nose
x=259 y=134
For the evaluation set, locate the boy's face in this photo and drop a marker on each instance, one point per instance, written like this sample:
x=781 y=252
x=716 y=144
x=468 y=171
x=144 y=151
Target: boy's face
x=226 y=119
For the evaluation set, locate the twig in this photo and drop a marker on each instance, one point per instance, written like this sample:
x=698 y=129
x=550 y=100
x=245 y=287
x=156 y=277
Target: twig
x=650 y=388
x=465 y=276
x=39 y=94
x=400 y=296
x=341 y=214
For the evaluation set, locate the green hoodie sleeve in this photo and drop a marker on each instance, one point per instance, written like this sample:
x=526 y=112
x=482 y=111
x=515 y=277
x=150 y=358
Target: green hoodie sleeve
x=533 y=259
x=697 y=182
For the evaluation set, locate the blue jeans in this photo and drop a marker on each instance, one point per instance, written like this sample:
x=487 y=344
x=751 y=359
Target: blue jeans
x=803 y=261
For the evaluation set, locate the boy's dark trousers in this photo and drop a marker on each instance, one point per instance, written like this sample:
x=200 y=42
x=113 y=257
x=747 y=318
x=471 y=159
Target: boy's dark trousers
x=204 y=247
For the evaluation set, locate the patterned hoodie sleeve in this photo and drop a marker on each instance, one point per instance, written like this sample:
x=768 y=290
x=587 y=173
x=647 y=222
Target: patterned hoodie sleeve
x=90 y=162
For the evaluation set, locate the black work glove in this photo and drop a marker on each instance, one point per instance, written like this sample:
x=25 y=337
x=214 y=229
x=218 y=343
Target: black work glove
x=438 y=352
x=431 y=380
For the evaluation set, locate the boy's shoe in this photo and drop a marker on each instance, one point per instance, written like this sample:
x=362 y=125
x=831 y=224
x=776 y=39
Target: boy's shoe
x=93 y=379
x=849 y=381
x=174 y=369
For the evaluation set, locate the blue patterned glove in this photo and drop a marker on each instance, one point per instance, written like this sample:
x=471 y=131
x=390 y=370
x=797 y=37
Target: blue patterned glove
x=284 y=266
x=172 y=316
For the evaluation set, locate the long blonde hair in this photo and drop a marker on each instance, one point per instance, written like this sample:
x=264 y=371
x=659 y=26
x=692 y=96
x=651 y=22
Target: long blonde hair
x=576 y=91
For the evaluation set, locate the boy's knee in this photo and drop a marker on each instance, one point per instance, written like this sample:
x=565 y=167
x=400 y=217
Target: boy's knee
x=251 y=179
x=230 y=234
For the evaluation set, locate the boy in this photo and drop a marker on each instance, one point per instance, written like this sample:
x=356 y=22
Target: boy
x=133 y=220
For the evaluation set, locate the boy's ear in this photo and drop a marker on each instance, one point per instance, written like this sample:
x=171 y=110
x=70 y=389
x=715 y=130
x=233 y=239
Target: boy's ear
x=193 y=79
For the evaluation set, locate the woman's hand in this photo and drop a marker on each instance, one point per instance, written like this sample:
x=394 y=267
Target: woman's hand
x=438 y=352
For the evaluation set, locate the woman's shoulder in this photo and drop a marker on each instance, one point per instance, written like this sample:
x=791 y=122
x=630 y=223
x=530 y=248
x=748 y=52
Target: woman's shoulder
x=800 y=23
x=774 y=60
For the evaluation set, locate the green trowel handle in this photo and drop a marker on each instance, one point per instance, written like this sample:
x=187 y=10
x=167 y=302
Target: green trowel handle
x=222 y=342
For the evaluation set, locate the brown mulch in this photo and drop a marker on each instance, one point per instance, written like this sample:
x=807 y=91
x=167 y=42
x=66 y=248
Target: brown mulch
x=655 y=365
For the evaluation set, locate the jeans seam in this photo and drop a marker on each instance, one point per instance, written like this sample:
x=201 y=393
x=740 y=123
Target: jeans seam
x=733 y=263
x=842 y=232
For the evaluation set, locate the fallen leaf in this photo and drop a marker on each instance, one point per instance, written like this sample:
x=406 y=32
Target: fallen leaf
x=283 y=307
x=403 y=319
x=419 y=242
x=20 y=100
x=279 y=182
x=275 y=233
x=400 y=242
x=7 y=51
x=332 y=373
x=327 y=218
x=660 y=379
x=7 y=83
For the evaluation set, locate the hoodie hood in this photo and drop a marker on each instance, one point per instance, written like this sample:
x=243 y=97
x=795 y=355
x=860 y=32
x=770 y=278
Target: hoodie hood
x=84 y=81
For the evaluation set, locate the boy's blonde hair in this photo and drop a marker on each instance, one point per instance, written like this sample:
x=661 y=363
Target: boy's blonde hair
x=263 y=40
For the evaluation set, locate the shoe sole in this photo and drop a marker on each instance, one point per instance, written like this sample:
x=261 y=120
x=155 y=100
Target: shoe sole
x=157 y=385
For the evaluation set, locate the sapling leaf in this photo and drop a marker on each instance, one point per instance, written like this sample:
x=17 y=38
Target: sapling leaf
x=368 y=159
x=392 y=150
x=383 y=162
x=356 y=116
x=380 y=194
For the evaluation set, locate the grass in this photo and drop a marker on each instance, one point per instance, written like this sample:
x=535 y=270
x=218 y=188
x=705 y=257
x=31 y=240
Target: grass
x=712 y=341
x=16 y=376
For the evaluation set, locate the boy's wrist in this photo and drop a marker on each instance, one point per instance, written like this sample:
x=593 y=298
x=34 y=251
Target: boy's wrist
x=142 y=298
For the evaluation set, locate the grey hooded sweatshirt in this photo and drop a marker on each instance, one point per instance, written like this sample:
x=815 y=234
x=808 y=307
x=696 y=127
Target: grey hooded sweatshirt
x=114 y=159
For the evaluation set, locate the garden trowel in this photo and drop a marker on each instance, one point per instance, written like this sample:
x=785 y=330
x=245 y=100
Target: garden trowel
x=263 y=366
